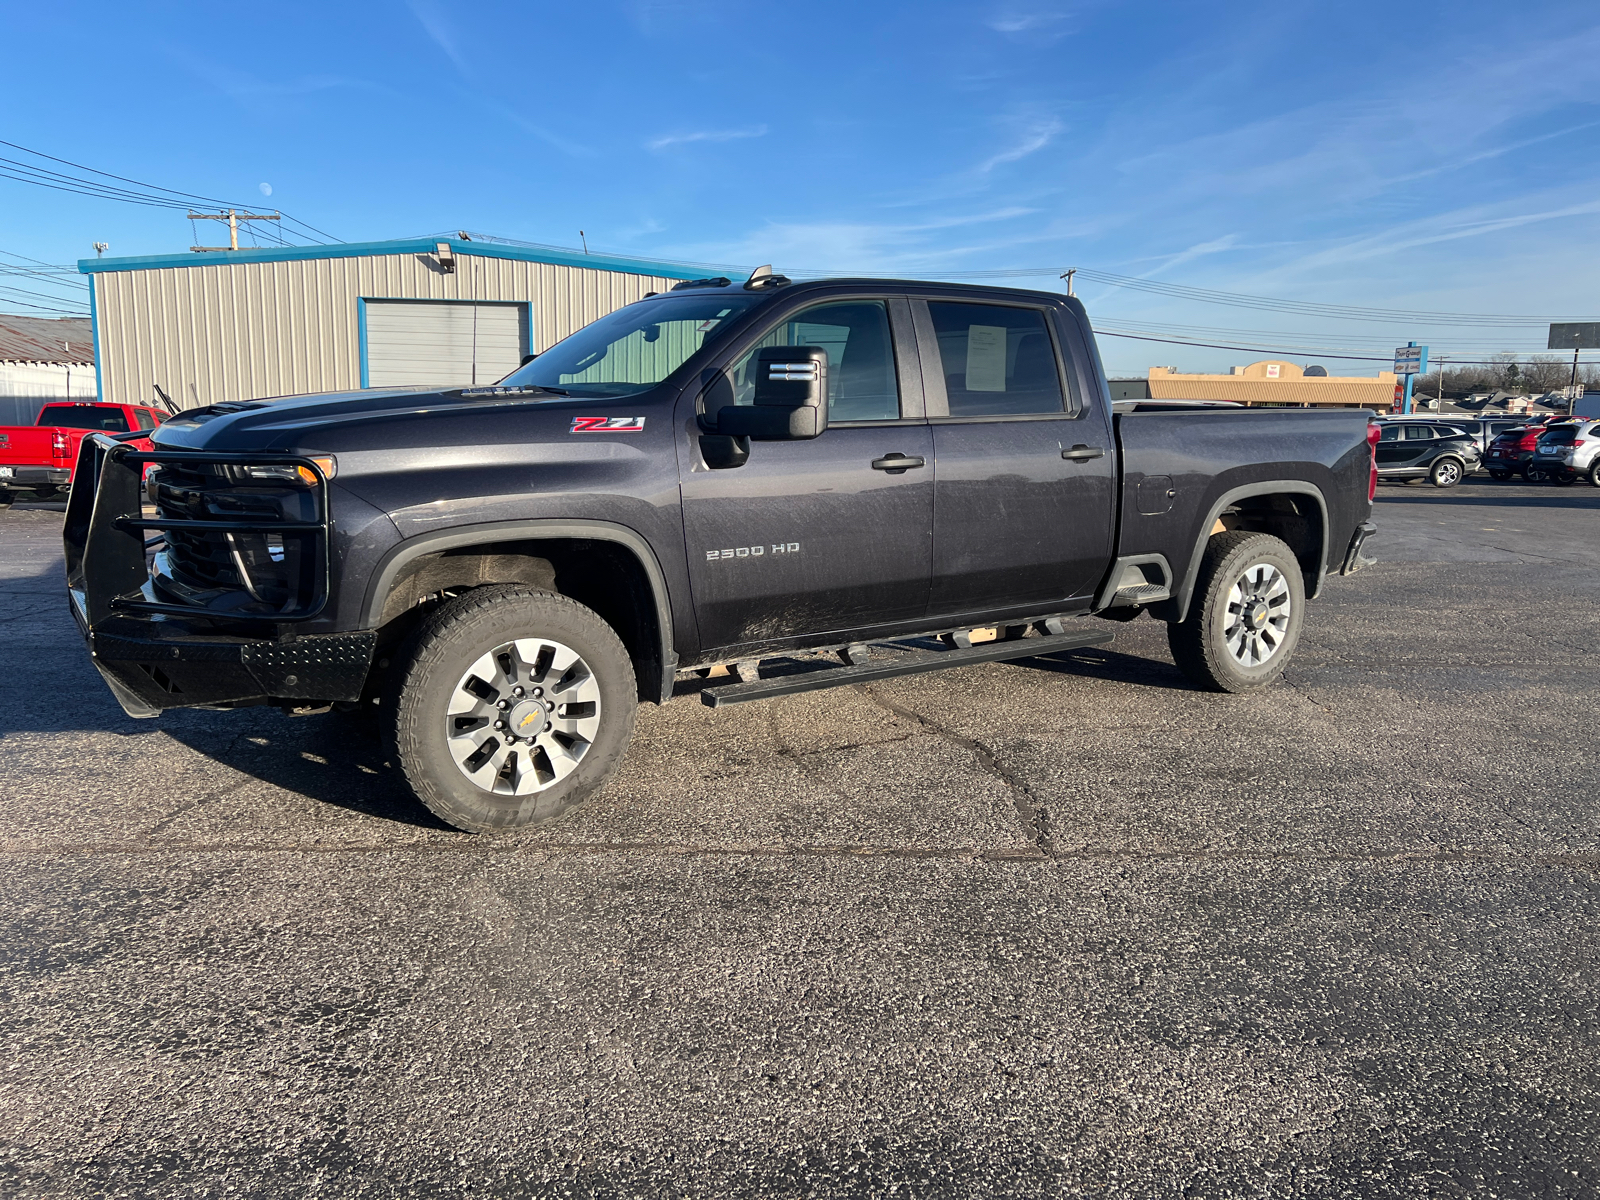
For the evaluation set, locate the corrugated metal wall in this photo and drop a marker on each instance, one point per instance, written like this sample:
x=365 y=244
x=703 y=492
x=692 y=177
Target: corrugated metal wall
x=242 y=330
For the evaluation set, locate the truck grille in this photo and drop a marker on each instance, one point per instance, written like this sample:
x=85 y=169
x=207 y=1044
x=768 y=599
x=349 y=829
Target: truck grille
x=243 y=568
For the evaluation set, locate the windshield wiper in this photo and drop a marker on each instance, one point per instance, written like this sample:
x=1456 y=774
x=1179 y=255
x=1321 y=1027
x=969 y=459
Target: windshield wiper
x=519 y=389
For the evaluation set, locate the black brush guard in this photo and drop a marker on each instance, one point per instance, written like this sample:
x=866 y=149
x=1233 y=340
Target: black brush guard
x=156 y=654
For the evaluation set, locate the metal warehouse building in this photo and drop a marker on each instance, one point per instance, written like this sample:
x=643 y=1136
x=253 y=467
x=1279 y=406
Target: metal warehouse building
x=242 y=324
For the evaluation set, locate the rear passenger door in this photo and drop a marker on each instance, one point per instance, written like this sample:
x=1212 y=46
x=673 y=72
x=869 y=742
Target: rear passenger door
x=1024 y=465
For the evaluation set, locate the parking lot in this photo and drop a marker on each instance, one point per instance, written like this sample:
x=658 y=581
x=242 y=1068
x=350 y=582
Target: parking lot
x=1055 y=927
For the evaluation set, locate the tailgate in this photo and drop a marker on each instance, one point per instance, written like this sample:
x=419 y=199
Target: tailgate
x=26 y=446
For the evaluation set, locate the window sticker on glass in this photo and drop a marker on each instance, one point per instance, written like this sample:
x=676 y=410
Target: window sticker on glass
x=711 y=322
x=986 y=358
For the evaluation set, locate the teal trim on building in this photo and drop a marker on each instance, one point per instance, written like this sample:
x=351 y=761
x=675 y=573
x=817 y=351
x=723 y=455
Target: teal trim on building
x=555 y=257
x=94 y=334
x=361 y=338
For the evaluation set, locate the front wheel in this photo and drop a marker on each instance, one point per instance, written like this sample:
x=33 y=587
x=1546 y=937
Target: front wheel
x=513 y=707
x=1245 y=616
x=1447 y=472
x=1594 y=472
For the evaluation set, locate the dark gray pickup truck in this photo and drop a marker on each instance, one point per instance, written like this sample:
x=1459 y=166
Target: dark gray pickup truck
x=821 y=483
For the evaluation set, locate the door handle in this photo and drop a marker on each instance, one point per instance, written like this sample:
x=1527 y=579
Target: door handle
x=1080 y=452
x=895 y=463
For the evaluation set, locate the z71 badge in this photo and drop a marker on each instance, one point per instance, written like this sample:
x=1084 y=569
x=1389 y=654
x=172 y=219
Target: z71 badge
x=607 y=424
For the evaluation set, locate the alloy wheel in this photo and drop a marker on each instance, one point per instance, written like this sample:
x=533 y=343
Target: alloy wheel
x=522 y=716
x=1259 y=608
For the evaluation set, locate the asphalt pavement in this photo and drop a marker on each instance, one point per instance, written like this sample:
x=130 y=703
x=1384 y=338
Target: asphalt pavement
x=1058 y=927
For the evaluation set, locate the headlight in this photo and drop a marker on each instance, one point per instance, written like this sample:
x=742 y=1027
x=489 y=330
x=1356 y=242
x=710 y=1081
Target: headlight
x=289 y=473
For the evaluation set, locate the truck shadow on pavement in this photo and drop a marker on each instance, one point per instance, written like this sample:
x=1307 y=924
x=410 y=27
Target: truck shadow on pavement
x=337 y=759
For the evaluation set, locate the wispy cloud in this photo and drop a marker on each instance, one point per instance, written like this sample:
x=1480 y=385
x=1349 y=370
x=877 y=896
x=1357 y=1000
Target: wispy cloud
x=1039 y=135
x=1029 y=21
x=667 y=141
x=437 y=26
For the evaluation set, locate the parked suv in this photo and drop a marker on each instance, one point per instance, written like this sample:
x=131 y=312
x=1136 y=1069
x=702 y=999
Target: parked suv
x=1442 y=454
x=1510 y=453
x=1568 y=452
x=1483 y=431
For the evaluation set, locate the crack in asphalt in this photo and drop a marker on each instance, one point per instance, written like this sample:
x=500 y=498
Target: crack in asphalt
x=1031 y=813
x=1589 y=862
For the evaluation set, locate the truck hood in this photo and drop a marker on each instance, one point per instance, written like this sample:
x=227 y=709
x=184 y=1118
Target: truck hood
x=293 y=422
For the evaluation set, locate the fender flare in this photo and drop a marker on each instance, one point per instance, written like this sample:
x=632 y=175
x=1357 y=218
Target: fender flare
x=396 y=559
x=1269 y=487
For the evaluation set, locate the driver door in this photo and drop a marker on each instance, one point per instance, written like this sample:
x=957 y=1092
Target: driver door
x=824 y=535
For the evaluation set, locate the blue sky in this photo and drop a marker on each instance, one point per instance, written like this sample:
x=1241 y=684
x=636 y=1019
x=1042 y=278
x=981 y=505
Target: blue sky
x=1404 y=156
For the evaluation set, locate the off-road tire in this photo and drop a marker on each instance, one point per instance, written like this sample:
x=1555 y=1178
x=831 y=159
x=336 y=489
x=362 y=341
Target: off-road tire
x=430 y=666
x=1447 y=472
x=1198 y=644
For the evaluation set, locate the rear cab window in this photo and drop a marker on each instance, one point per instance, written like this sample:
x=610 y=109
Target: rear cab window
x=996 y=360
x=84 y=416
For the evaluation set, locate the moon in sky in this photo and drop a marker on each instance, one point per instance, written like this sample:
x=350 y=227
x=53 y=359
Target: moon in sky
x=266 y=189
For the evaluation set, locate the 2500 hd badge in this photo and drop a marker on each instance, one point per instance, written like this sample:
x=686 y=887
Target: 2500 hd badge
x=753 y=551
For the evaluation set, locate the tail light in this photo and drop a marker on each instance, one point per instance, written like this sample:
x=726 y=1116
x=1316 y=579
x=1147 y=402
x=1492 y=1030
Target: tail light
x=58 y=443
x=1374 y=432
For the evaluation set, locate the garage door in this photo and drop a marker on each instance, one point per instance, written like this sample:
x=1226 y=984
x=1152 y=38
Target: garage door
x=412 y=342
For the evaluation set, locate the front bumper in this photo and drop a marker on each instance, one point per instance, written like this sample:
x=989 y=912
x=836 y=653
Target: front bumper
x=156 y=663
x=155 y=653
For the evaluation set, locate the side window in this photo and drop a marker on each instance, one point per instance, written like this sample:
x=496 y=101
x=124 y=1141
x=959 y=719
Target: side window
x=861 y=376
x=996 y=360
x=1391 y=433
x=1418 y=433
x=143 y=417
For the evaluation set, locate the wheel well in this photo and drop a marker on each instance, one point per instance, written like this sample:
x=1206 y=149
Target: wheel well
x=602 y=575
x=1293 y=517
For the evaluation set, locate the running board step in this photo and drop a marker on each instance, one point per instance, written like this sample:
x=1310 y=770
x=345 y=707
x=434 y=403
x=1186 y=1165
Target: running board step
x=1146 y=593
x=913 y=663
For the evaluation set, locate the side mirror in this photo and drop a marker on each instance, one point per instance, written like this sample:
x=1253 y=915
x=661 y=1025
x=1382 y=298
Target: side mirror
x=791 y=396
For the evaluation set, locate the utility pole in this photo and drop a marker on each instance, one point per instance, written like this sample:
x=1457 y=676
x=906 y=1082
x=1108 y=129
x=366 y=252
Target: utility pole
x=1071 y=271
x=1572 y=390
x=232 y=217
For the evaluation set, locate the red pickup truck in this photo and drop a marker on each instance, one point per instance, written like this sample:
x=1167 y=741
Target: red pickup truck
x=39 y=458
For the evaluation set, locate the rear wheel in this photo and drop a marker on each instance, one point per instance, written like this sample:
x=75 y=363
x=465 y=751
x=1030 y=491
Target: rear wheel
x=513 y=706
x=1533 y=474
x=1563 y=478
x=1447 y=472
x=1244 y=619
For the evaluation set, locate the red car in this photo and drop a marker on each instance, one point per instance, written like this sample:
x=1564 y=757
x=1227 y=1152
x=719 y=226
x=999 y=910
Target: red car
x=39 y=458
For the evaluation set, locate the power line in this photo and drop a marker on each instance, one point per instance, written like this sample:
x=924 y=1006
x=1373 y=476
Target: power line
x=152 y=195
x=1139 y=337
x=1343 y=312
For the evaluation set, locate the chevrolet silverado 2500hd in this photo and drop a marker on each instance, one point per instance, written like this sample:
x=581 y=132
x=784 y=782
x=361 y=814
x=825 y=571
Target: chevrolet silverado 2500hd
x=723 y=473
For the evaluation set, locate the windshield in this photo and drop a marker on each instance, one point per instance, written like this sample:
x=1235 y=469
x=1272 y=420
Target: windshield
x=634 y=348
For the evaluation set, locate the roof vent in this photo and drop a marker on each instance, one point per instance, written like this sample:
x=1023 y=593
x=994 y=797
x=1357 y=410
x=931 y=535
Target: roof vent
x=714 y=281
